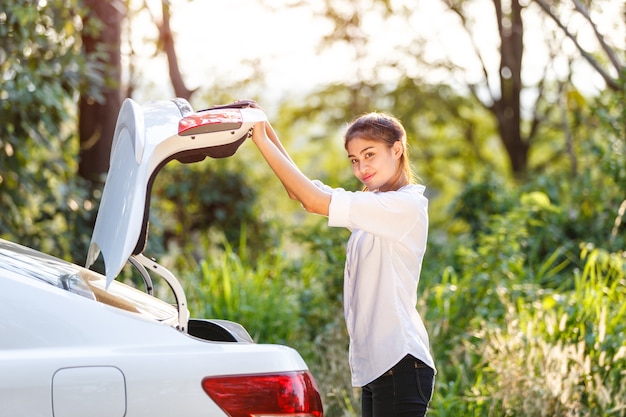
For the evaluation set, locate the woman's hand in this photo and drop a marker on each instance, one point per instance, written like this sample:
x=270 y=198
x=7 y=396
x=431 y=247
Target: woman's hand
x=259 y=133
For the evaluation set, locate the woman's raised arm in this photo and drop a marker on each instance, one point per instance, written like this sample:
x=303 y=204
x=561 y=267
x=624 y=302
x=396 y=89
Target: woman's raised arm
x=298 y=186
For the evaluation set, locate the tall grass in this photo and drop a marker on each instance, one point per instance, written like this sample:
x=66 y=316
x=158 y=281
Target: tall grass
x=264 y=297
x=559 y=354
x=516 y=333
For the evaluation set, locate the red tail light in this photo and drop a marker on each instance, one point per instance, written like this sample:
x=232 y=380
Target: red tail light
x=207 y=121
x=288 y=394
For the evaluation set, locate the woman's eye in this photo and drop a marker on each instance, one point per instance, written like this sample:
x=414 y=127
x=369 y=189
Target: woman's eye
x=369 y=154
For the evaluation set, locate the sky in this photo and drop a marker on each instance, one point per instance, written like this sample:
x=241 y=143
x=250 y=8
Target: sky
x=214 y=38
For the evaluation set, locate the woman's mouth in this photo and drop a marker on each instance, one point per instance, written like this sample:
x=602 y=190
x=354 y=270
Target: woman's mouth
x=367 y=177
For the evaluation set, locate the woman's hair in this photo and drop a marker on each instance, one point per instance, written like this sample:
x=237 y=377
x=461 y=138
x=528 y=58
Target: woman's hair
x=384 y=128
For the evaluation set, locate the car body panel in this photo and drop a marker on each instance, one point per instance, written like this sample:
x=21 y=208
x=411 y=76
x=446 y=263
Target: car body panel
x=54 y=329
x=75 y=390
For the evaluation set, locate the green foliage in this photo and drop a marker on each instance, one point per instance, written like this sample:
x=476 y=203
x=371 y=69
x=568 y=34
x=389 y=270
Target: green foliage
x=264 y=299
x=521 y=323
x=517 y=332
x=593 y=195
x=191 y=199
x=42 y=71
x=559 y=353
x=276 y=297
x=478 y=201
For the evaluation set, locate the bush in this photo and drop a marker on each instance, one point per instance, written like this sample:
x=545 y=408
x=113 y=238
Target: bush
x=520 y=324
x=558 y=354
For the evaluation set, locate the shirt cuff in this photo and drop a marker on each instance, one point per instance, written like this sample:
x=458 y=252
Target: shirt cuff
x=339 y=209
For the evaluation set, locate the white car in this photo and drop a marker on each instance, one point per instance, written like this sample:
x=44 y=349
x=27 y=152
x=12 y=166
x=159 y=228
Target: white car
x=75 y=343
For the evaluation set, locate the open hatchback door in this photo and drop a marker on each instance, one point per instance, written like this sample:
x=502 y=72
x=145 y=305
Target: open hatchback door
x=146 y=138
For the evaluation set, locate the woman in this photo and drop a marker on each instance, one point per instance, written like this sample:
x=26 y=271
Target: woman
x=389 y=351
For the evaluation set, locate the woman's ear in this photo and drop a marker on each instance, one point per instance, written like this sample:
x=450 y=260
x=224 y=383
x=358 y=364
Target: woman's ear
x=397 y=149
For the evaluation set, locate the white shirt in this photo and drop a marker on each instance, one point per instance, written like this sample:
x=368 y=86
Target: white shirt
x=382 y=271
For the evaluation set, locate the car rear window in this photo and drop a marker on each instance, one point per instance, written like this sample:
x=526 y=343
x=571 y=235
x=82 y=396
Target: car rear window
x=87 y=283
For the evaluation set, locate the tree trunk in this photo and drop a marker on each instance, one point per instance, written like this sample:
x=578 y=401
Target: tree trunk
x=166 y=41
x=507 y=108
x=97 y=117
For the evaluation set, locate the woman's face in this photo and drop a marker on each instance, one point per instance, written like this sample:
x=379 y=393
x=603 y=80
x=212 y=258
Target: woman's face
x=374 y=163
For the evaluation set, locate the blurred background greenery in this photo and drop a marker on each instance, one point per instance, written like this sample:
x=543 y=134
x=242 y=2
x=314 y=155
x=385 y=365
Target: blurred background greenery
x=523 y=287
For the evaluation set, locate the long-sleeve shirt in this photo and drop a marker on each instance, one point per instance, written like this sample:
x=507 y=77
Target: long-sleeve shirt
x=381 y=276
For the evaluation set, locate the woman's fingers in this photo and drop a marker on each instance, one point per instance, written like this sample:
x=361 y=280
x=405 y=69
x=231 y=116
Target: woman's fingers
x=258 y=132
x=250 y=103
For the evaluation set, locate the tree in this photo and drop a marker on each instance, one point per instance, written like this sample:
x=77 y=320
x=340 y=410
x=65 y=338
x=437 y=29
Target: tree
x=43 y=71
x=613 y=73
x=504 y=101
x=50 y=55
x=166 y=44
x=499 y=89
x=98 y=107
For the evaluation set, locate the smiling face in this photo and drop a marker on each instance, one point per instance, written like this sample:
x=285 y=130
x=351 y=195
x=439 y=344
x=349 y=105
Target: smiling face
x=374 y=163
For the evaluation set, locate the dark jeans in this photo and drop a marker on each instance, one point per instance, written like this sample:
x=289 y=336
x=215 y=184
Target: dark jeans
x=405 y=390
